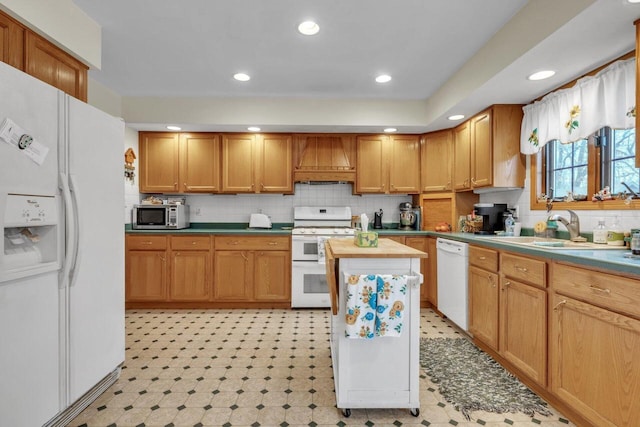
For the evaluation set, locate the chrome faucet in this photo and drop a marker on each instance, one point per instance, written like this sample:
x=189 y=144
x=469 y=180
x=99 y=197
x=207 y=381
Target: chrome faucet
x=573 y=226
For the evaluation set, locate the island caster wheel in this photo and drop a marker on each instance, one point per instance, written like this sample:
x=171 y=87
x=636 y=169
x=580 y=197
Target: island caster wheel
x=415 y=412
x=346 y=412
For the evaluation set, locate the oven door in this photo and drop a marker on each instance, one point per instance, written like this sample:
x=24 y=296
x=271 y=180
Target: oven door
x=304 y=248
x=309 y=286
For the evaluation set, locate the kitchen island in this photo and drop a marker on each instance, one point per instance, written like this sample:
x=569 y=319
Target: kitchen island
x=375 y=324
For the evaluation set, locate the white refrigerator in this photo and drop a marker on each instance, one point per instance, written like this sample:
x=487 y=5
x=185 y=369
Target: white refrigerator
x=62 y=260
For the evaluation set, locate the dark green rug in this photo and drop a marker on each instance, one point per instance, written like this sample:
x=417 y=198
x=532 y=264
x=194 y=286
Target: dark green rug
x=471 y=380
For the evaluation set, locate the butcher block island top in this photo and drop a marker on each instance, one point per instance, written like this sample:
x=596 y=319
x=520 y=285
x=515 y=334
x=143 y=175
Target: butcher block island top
x=387 y=248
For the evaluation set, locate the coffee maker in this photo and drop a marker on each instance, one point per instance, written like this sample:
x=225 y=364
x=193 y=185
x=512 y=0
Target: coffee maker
x=492 y=218
x=408 y=217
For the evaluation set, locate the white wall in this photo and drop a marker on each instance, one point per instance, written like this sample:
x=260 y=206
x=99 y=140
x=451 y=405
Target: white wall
x=629 y=218
x=131 y=190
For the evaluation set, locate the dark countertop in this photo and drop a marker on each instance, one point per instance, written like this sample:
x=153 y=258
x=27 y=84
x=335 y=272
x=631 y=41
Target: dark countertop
x=610 y=259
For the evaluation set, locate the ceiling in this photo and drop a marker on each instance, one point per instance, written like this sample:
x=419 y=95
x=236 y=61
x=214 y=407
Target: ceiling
x=448 y=56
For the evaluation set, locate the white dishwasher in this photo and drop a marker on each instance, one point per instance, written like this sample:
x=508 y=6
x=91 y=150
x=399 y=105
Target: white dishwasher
x=453 y=262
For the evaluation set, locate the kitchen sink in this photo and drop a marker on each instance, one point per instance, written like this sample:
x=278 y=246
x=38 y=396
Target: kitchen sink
x=547 y=243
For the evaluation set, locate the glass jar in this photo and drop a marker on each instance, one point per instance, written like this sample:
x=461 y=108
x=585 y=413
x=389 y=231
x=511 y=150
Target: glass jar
x=600 y=232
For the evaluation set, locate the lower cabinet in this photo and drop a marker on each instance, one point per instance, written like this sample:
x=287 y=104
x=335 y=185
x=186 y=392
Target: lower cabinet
x=595 y=344
x=255 y=269
x=207 y=271
x=483 y=305
x=421 y=244
x=146 y=268
x=190 y=267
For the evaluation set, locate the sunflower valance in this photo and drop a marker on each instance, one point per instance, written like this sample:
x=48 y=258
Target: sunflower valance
x=568 y=115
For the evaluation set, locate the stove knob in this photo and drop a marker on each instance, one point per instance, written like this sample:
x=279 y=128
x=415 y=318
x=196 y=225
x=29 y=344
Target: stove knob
x=313 y=231
x=336 y=231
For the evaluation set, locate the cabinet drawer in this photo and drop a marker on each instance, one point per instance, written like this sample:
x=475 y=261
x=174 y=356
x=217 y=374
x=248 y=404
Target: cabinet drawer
x=252 y=243
x=185 y=243
x=483 y=258
x=528 y=270
x=606 y=290
x=146 y=242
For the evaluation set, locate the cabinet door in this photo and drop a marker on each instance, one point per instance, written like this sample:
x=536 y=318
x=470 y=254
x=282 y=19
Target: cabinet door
x=238 y=166
x=483 y=306
x=523 y=328
x=404 y=164
x=190 y=276
x=420 y=243
x=432 y=273
x=595 y=366
x=52 y=65
x=11 y=42
x=481 y=151
x=372 y=167
x=462 y=157
x=272 y=276
x=159 y=162
x=146 y=277
x=199 y=163
x=275 y=163
x=436 y=161
x=233 y=276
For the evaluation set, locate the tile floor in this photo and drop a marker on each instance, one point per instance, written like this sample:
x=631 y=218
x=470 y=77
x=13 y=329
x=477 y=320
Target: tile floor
x=253 y=368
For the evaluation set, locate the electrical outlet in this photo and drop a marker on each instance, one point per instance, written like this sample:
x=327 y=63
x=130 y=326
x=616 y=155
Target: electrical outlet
x=198 y=212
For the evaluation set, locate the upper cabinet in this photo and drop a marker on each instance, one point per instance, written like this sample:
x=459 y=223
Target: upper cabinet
x=388 y=164
x=325 y=157
x=11 y=42
x=179 y=163
x=437 y=154
x=257 y=163
x=487 y=150
x=28 y=52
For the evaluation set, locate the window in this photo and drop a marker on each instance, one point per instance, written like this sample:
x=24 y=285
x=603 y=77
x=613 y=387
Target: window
x=605 y=159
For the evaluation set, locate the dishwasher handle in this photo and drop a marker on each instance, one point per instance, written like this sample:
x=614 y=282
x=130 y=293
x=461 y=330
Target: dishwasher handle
x=451 y=246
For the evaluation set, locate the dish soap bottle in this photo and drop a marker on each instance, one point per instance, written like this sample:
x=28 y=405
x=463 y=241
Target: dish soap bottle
x=509 y=225
x=600 y=232
x=615 y=235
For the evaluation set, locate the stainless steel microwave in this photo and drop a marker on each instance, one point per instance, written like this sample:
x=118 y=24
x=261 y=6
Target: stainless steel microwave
x=159 y=217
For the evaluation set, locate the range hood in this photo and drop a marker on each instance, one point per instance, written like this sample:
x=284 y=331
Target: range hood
x=325 y=158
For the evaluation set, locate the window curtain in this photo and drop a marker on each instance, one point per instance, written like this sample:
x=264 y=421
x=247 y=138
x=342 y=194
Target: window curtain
x=569 y=115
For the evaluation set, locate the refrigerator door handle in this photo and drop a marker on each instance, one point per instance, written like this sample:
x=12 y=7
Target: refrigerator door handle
x=76 y=222
x=71 y=231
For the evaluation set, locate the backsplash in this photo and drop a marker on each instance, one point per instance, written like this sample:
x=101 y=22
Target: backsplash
x=238 y=208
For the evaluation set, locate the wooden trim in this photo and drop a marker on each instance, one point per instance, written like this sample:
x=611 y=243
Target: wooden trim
x=172 y=305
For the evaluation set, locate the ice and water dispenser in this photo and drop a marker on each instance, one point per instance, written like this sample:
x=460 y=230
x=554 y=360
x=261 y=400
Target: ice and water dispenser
x=30 y=226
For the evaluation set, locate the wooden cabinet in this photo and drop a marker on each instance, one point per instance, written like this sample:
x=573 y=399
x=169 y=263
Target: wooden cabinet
x=28 y=52
x=11 y=42
x=324 y=157
x=523 y=315
x=422 y=244
x=483 y=297
x=190 y=267
x=488 y=145
x=252 y=269
x=388 y=164
x=179 y=163
x=52 y=65
x=159 y=162
x=594 y=344
x=257 y=163
x=146 y=268
x=462 y=157
x=436 y=156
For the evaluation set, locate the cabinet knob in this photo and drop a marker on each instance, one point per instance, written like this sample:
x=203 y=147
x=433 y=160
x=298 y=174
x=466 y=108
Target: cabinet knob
x=522 y=269
x=244 y=256
x=273 y=243
x=599 y=289
x=146 y=243
x=194 y=243
x=482 y=258
x=473 y=181
x=564 y=301
x=235 y=242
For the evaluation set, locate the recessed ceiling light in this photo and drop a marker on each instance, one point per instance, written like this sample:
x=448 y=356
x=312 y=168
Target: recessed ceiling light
x=383 y=78
x=633 y=1
x=456 y=117
x=253 y=128
x=390 y=130
x=308 y=28
x=171 y=127
x=242 y=77
x=541 y=75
